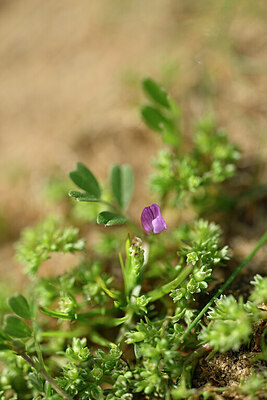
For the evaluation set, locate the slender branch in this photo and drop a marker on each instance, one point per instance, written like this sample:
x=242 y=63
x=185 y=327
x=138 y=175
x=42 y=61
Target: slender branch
x=134 y=227
x=46 y=376
x=129 y=314
x=64 y=334
x=165 y=289
x=40 y=367
x=28 y=360
x=260 y=243
x=57 y=388
x=103 y=285
x=112 y=206
x=190 y=364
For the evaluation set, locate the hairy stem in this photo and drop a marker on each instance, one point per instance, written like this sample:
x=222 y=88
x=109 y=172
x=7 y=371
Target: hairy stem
x=260 y=243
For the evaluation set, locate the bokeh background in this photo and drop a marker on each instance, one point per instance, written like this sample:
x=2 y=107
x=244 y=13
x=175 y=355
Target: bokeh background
x=70 y=90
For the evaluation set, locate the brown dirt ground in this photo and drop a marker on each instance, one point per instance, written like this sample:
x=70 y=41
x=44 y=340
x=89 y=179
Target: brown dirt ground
x=70 y=77
x=228 y=370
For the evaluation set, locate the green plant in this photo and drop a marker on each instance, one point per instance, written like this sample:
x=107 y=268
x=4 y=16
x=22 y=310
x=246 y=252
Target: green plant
x=124 y=322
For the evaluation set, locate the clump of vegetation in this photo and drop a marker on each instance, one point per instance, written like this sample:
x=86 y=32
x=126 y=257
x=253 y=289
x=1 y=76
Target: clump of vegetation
x=125 y=322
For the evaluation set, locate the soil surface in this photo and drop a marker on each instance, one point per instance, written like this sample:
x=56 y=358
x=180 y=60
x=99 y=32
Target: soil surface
x=227 y=370
x=70 y=90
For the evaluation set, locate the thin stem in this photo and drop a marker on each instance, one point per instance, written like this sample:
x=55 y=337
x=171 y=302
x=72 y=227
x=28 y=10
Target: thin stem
x=46 y=376
x=158 y=293
x=129 y=222
x=189 y=366
x=134 y=227
x=112 y=206
x=260 y=243
x=93 y=314
x=63 y=334
x=103 y=285
x=39 y=353
x=95 y=337
x=28 y=360
x=41 y=365
x=55 y=386
x=36 y=341
x=73 y=317
x=129 y=314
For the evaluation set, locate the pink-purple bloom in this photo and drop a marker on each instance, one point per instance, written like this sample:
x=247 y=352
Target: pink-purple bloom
x=152 y=220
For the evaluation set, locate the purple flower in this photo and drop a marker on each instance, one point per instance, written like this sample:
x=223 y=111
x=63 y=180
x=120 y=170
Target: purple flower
x=152 y=220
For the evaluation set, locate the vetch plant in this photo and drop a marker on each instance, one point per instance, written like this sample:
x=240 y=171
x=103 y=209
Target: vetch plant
x=134 y=316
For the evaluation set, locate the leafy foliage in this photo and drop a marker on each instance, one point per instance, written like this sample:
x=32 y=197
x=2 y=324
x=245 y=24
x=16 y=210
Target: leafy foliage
x=121 y=324
x=231 y=325
x=259 y=294
x=210 y=161
x=38 y=243
x=203 y=253
x=255 y=383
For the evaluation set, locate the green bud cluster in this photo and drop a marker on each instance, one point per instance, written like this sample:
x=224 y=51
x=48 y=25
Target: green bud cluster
x=259 y=294
x=231 y=324
x=78 y=352
x=211 y=161
x=67 y=304
x=37 y=244
x=203 y=253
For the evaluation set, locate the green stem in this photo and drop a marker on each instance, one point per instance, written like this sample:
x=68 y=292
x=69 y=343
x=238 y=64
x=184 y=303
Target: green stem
x=112 y=206
x=73 y=317
x=96 y=338
x=189 y=366
x=134 y=227
x=102 y=284
x=36 y=341
x=55 y=314
x=104 y=320
x=129 y=222
x=39 y=353
x=40 y=367
x=129 y=315
x=160 y=292
x=64 y=334
x=260 y=243
x=123 y=269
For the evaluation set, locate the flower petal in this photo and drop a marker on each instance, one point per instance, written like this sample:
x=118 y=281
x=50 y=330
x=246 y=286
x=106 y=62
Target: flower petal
x=155 y=209
x=152 y=220
x=158 y=224
x=146 y=219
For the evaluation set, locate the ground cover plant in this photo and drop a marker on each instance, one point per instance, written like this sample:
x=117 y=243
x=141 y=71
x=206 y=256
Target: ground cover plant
x=137 y=316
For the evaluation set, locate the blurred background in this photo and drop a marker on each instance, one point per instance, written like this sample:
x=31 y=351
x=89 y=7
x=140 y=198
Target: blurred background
x=70 y=91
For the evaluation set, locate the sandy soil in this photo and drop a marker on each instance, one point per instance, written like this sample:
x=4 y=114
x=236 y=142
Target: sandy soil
x=70 y=77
